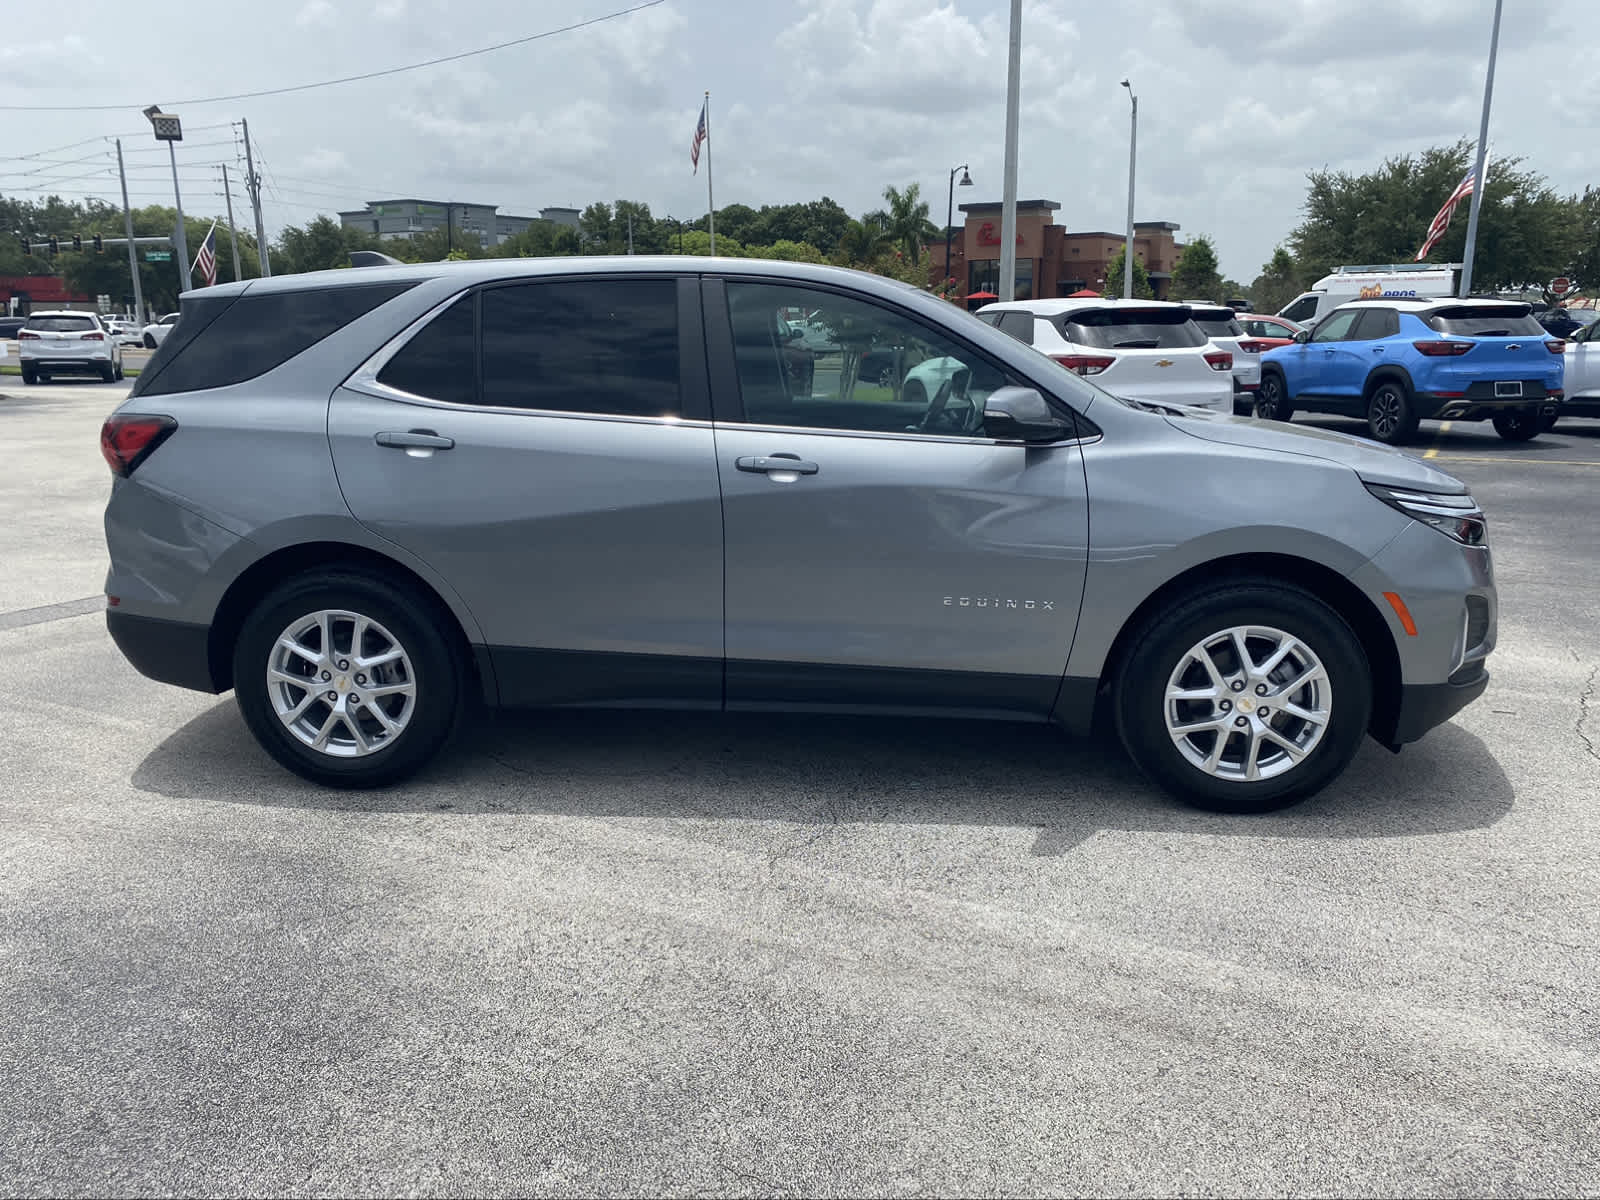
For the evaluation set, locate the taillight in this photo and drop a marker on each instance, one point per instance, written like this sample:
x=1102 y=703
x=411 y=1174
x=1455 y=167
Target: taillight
x=24 y=336
x=1085 y=364
x=91 y=337
x=1220 y=360
x=1444 y=349
x=1252 y=347
x=1556 y=347
x=127 y=439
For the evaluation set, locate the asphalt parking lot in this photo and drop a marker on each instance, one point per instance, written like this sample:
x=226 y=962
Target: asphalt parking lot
x=695 y=955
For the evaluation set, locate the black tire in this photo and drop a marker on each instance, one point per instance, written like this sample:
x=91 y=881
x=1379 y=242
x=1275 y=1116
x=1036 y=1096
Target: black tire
x=915 y=393
x=419 y=625
x=1391 y=414
x=149 y=342
x=108 y=374
x=1272 y=398
x=120 y=376
x=29 y=375
x=1519 y=426
x=1139 y=697
x=1546 y=424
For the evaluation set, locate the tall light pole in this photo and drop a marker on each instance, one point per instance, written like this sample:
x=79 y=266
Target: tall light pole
x=950 y=212
x=1483 y=149
x=1133 y=150
x=133 y=250
x=169 y=129
x=1008 y=197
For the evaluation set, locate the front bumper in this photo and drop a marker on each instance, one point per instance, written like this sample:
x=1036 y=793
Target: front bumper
x=172 y=652
x=1424 y=705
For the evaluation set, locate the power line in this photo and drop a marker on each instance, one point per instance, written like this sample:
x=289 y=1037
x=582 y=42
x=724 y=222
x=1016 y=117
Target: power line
x=107 y=137
x=306 y=87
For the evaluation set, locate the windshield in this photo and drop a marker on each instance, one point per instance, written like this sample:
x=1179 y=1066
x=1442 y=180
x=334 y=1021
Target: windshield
x=1481 y=321
x=61 y=324
x=1131 y=329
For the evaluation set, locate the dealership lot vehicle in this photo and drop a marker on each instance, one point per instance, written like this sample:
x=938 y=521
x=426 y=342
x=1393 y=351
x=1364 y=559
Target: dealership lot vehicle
x=1382 y=281
x=1271 y=332
x=156 y=332
x=67 y=343
x=1581 y=381
x=1397 y=363
x=1223 y=330
x=631 y=505
x=1144 y=349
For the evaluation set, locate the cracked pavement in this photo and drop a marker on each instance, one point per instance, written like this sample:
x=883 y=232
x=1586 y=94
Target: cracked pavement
x=671 y=953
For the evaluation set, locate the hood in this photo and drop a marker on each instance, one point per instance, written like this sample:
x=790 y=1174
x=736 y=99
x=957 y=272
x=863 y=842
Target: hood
x=1373 y=462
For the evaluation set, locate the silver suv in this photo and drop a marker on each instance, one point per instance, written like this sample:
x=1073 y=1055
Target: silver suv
x=363 y=499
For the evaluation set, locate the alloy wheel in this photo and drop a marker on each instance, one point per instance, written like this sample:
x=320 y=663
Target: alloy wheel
x=1387 y=411
x=1267 y=397
x=1248 y=703
x=341 y=683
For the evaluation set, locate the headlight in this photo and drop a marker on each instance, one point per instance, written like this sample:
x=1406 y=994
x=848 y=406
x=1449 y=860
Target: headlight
x=1457 y=517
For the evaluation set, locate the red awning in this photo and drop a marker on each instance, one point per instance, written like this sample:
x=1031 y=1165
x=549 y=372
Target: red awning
x=983 y=296
x=1083 y=292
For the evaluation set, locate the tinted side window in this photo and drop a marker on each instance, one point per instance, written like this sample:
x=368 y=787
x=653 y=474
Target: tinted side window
x=1337 y=327
x=440 y=361
x=254 y=334
x=1376 y=323
x=583 y=345
x=1302 y=309
x=875 y=371
x=1219 y=326
x=1482 y=321
x=1019 y=325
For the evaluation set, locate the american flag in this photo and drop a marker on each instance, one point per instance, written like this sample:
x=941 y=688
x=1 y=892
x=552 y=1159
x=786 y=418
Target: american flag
x=205 y=262
x=699 y=136
x=1441 y=220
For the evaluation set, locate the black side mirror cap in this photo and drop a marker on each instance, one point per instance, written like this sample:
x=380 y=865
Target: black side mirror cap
x=1018 y=414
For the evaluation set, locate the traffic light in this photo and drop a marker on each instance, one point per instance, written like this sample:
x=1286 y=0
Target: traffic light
x=52 y=245
x=77 y=242
x=27 y=247
x=99 y=244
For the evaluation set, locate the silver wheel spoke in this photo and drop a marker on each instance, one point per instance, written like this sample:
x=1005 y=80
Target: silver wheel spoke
x=1277 y=739
x=1305 y=714
x=390 y=726
x=1252 y=769
x=1210 y=693
x=1188 y=727
x=389 y=689
x=1275 y=659
x=295 y=648
x=323 y=734
x=339 y=731
x=305 y=702
x=1203 y=656
x=1246 y=666
x=395 y=654
x=1214 y=759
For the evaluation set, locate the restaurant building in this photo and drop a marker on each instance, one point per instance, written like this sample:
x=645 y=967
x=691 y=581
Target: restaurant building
x=1051 y=261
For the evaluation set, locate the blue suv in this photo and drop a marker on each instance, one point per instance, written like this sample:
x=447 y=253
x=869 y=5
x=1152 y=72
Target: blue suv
x=1396 y=362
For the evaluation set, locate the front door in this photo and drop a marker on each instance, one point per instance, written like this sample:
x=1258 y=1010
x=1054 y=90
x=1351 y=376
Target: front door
x=1349 y=361
x=881 y=550
x=1318 y=365
x=564 y=482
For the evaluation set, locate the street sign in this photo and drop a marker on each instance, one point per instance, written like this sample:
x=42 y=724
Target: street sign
x=158 y=256
x=1560 y=287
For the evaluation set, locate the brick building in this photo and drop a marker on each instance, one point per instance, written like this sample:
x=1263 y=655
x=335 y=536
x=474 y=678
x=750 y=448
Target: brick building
x=1050 y=260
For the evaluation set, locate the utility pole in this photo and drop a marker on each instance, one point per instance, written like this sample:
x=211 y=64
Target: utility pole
x=252 y=182
x=1008 y=203
x=630 y=231
x=449 y=228
x=1133 y=149
x=1483 y=149
x=233 y=234
x=133 y=252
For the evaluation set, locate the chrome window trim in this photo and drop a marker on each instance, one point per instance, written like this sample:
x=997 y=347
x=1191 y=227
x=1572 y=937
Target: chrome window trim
x=828 y=431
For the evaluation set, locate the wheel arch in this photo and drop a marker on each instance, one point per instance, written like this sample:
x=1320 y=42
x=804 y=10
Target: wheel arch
x=261 y=576
x=1343 y=596
x=1389 y=371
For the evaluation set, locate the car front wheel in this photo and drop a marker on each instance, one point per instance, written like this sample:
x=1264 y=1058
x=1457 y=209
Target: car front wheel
x=149 y=342
x=347 y=679
x=1246 y=698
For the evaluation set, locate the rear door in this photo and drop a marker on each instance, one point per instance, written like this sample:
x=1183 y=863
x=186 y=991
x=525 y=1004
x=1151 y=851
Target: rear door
x=1583 y=363
x=881 y=550
x=563 y=480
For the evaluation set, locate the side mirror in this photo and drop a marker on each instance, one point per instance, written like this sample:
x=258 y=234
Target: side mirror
x=1302 y=335
x=1020 y=414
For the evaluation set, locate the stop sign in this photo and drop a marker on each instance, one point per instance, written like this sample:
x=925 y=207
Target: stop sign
x=1559 y=287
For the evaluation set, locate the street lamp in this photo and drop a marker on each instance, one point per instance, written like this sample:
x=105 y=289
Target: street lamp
x=949 y=213
x=169 y=129
x=1133 y=146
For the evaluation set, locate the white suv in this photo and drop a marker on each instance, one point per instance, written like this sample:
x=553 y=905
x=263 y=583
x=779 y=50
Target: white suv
x=156 y=331
x=67 y=343
x=1221 y=324
x=1141 y=349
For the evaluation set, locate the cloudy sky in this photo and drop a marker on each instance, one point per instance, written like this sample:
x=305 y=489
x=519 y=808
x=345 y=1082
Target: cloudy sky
x=1237 y=101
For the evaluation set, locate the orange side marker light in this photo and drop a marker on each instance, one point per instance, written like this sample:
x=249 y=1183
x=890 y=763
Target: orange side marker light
x=1401 y=611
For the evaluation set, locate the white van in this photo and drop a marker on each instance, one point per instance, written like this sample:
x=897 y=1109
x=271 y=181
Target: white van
x=1382 y=281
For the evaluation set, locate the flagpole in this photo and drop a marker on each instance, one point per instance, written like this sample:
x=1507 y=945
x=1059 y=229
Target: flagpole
x=1479 y=183
x=711 y=205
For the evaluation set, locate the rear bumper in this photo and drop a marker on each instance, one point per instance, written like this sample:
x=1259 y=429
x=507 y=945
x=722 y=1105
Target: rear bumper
x=98 y=363
x=1479 y=403
x=172 y=652
x=1424 y=705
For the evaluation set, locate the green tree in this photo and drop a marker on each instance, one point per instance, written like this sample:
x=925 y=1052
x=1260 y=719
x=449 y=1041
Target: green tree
x=323 y=244
x=906 y=220
x=860 y=244
x=785 y=250
x=597 y=230
x=1583 y=266
x=1526 y=232
x=431 y=245
x=698 y=241
x=1141 y=281
x=1279 y=282
x=1196 y=276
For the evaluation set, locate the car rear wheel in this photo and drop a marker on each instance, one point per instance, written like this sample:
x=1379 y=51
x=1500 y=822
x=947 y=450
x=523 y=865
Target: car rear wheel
x=1246 y=698
x=1391 y=417
x=120 y=375
x=1518 y=426
x=149 y=342
x=347 y=679
x=29 y=375
x=108 y=374
x=1272 y=398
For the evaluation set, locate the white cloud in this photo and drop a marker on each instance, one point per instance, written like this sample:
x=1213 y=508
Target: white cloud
x=315 y=13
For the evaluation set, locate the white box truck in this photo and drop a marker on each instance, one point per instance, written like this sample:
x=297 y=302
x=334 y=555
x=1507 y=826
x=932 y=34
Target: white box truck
x=1380 y=281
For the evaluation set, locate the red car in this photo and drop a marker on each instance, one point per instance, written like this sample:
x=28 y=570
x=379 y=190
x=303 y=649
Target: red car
x=1271 y=332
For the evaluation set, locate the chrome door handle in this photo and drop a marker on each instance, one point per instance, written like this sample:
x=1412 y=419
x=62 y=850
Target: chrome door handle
x=414 y=439
x=768 y=463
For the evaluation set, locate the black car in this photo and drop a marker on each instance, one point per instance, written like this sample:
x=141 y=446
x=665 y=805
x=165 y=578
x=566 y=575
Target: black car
x=10 y=325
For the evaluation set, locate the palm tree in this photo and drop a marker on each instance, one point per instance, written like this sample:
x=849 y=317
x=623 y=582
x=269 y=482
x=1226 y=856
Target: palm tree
x=861 y=243
x=907 y=223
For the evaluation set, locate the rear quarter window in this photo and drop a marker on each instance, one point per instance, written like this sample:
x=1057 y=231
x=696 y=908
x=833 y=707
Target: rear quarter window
x=1219 y=326
x=1131 y=329
x=226 y=341
x=1468 y=321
